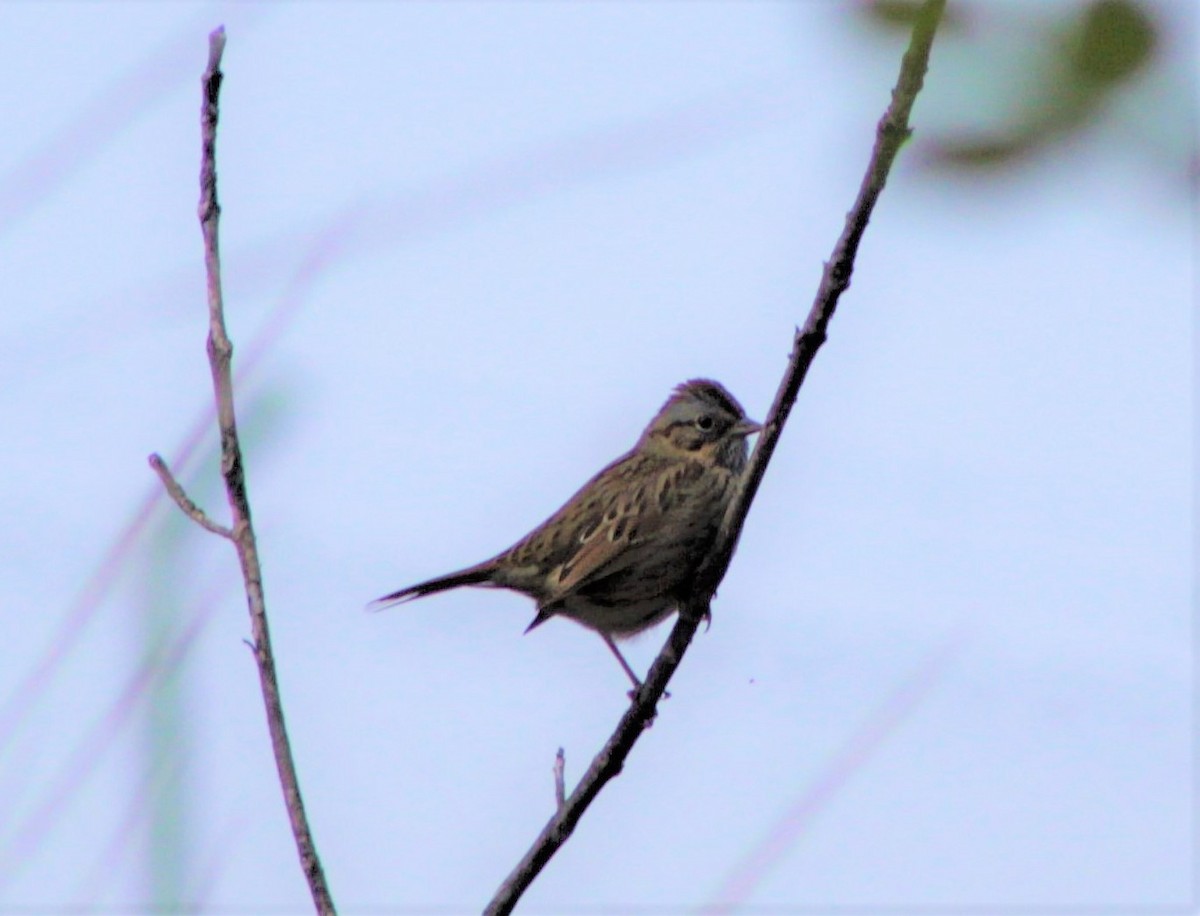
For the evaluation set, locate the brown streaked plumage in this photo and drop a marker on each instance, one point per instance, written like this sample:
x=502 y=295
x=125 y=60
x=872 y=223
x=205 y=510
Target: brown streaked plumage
x=620 y=555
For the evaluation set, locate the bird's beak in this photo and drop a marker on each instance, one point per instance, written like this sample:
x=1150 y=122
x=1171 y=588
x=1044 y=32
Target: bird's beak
x=746 y=427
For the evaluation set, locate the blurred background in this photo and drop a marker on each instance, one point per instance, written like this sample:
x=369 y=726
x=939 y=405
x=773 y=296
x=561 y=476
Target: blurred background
x=468 y=250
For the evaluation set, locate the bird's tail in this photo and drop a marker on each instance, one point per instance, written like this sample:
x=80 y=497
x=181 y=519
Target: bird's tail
x=472 y=575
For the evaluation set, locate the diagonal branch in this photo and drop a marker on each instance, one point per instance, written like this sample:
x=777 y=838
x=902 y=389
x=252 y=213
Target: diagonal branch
x=220 y=355
x=891 y=133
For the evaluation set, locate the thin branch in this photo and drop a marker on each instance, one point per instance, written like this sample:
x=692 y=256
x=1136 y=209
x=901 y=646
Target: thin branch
x=220 y=355
x=190 y=509
x=891 y=133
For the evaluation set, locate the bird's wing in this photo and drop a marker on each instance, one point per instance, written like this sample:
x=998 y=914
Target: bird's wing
x=641 y=527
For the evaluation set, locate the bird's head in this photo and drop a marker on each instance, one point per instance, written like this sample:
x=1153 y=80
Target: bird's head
x=704 y=422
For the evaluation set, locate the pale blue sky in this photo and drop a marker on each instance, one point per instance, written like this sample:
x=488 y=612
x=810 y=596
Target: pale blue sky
x=500 y=233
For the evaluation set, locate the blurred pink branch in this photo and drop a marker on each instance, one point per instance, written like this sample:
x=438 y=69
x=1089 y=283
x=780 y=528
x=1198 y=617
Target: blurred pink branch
x=747 y=875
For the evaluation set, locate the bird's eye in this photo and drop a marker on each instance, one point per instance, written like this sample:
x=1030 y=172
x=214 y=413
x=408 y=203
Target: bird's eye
x=704 y=422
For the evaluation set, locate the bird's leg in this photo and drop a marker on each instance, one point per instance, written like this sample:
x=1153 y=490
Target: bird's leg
x=637 y=685
x=608 y=641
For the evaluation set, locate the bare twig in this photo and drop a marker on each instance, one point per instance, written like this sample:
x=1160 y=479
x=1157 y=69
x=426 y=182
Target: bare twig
x=220 y=354
x=891 y=133
x=190 y=509
x=560 y=777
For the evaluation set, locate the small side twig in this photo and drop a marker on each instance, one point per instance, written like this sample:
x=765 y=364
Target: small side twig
x=560 y=788
x=891 y=133
x=241 y=533
x=183 y=501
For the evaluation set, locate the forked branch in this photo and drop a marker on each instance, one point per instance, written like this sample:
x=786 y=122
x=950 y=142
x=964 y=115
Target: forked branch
x=241 y=532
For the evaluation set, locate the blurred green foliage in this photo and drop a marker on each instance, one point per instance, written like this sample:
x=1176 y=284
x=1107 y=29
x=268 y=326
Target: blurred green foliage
x=1044 y=74
x=167 y=601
